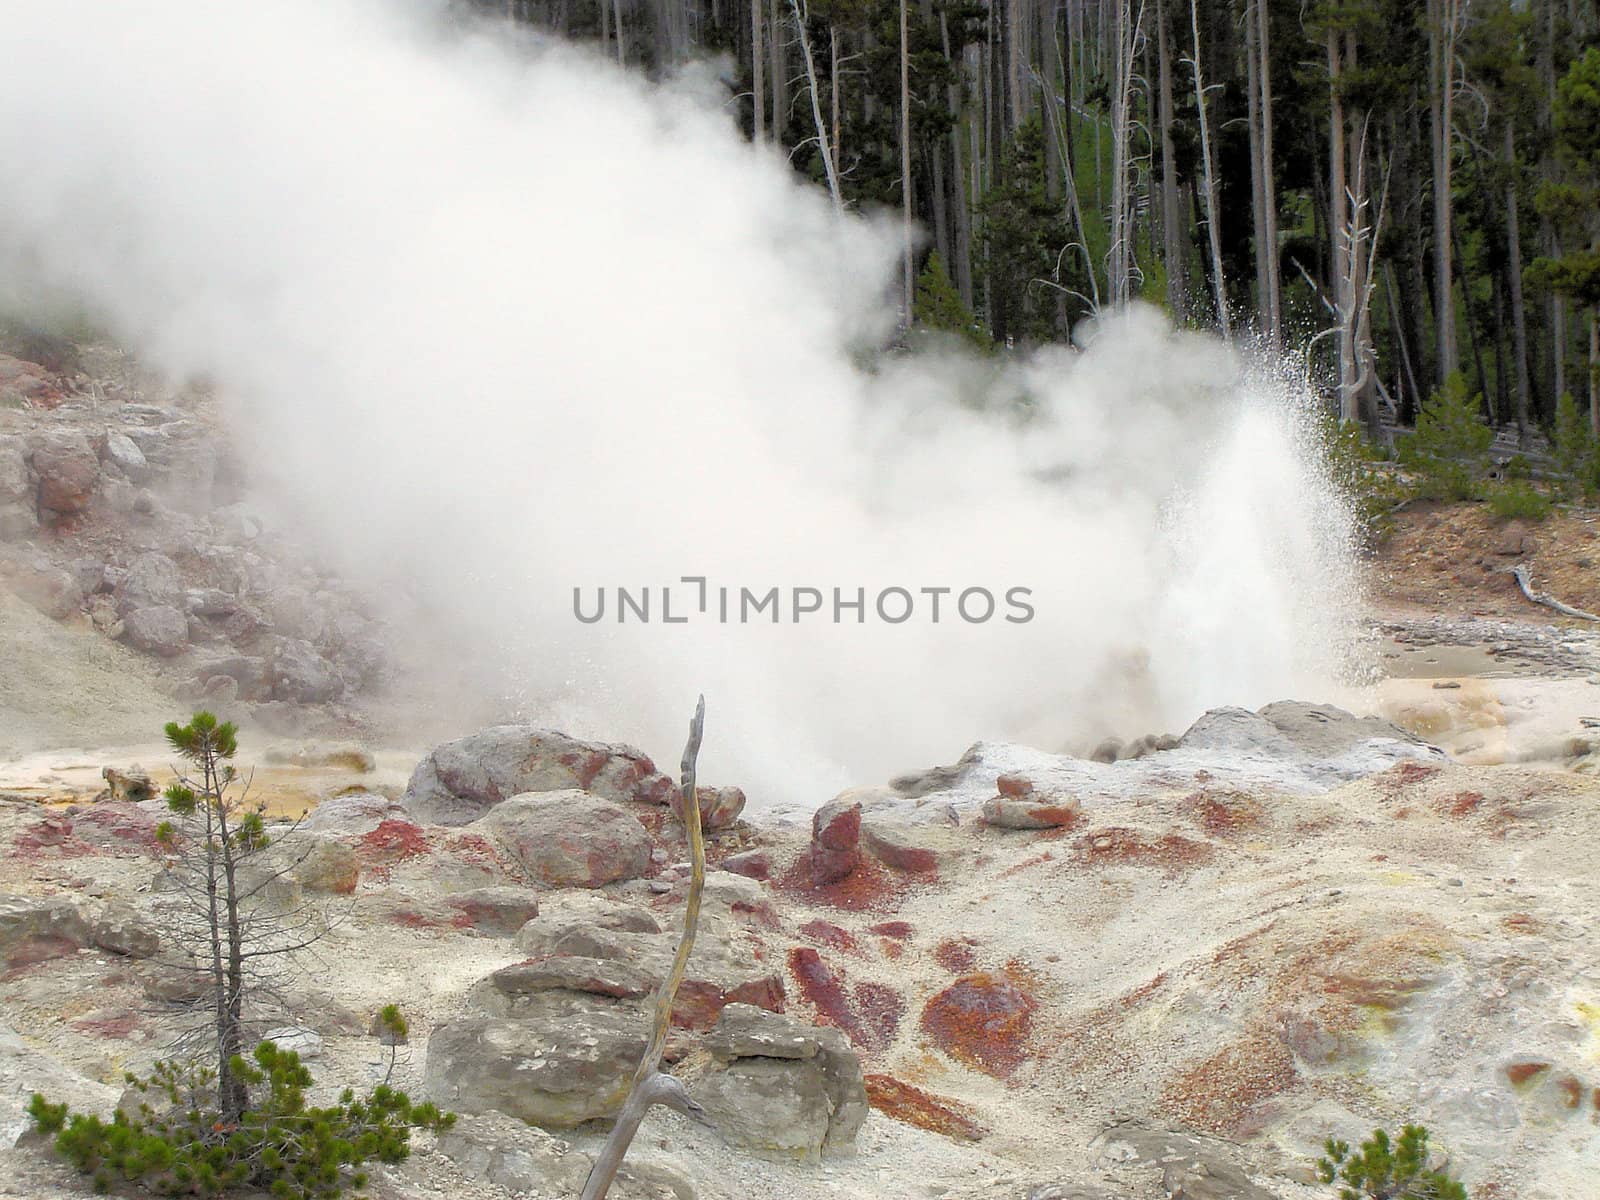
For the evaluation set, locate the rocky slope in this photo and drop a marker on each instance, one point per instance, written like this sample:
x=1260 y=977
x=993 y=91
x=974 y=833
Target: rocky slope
x=1166 y=975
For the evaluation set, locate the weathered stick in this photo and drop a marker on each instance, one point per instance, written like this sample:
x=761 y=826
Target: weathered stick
x=1525 y=582
x=651 y=1085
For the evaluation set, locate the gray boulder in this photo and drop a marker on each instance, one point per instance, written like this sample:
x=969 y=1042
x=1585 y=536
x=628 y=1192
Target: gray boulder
x=458 y=782
x=157 y=629
x=569 y=838
x=150 y=579
x=528 y=1161
x=786 y=1090
x=25 y=1070
x=300 y=675
x=557 y=1069
x=34 y=928
x=123 y=452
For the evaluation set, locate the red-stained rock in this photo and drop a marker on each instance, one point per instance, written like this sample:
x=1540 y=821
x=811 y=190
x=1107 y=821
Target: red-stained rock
x=1014 y=786
x=393 y=841
x=902 y=1101
x=1521 y=1073
x=753 y=864
x=881 y=1008
x=68 y=471
x=824 y=991
x=570 y=839
x=719 y=807
x=835 y=840
x=1031 y=812
x=500 y=911
x=460 y=781
x=826 y=933
x=899 y=930
x=982 y=1020
x=955 y=955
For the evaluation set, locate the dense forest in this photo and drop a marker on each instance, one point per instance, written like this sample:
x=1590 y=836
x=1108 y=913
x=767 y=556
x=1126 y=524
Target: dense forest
x=1409 y=187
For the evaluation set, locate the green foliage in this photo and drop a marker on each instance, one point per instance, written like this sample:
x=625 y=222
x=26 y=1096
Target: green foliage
x=1382 y=1170
x=1518 y=502
x=391 y=1022
x=182 y=1145
x=1358 y=472
x=1573 y=448
x=203 y=736
x=1026 y=233
x=939 y=308
x=1451 y=446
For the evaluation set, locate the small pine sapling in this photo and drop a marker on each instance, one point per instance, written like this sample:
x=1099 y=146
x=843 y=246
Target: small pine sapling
x=1384 y=1170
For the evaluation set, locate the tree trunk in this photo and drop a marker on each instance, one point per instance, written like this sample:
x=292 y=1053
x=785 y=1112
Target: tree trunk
x=1269 y=184
x=1218 y=283
x=1172 y=231
x=758 y=83
x=961 y=255
x=777 y=73
x=905 y=159
x=1441 y=59
x=1594 y=371
x=1339 y=231
x=828 y=165
x=1258 y=203
x=1519 y=312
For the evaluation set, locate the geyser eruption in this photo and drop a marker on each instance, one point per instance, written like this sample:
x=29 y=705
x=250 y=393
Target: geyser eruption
x=502 y=323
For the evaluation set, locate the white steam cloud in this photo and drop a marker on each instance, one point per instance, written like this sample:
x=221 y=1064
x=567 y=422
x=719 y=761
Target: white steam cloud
x=502 y=321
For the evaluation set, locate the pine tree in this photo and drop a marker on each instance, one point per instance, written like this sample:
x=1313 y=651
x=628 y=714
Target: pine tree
x=939 y=308
x=1451 y=445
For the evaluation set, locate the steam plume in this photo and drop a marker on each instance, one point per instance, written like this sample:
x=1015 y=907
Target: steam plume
x=501 y=321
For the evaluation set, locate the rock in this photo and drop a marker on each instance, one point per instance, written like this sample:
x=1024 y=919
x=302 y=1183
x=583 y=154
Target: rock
x=1034 y=812
x=68 y=471
x=1191 y=1168
x=150 y=579
x=719 y=807
x=1513 y=540
x=121 y=930
x=910 y=836
x=16 y=481
x=298 y=674
x=124 y=453
x=1070 y=1191
x=248 y=671
x=352 y=813
x=1107 y=751
x=33 y=929
x=159 y=629
x=570 y=838
x=573 y=973
x=1013 y=786
x=24 y=1070
x=588 y=920
x=321 y=863
x=219 y=691
x=558 y=1071
x=752 y=864
x=982 y=1020
x=48 y=588
x=178 y=981
x=835 y=840
x=807 y=1099
x=527 y=1161
x=344 y=758
x=132 y=785
x=307 y=1043
x=458 y=782
x=500 y=911
x=744 y=1031
x=237 y=523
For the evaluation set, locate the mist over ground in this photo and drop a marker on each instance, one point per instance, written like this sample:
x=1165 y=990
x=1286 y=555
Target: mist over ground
x=497 y=321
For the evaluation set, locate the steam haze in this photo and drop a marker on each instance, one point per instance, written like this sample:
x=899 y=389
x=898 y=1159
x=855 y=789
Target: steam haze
x=497 y=321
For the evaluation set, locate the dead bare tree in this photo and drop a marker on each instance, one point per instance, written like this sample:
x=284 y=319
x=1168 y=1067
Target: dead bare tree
x=220 y=864
x=651 y=1085
x=800 y=11
x=1208 y=167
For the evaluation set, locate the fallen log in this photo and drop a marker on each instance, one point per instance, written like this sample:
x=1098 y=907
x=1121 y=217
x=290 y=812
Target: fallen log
x=1525 y=582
